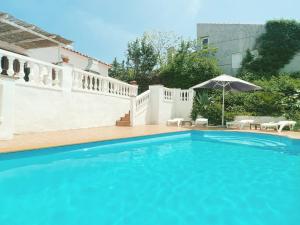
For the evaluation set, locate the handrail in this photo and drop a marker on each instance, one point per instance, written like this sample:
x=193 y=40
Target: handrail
x=26 y=58
x=143 y=94
x=103 y=77
x=142 y=100
x=87 y=81
x=31 y=71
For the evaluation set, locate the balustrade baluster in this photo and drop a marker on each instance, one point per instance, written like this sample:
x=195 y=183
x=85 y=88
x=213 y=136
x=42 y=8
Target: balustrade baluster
x=1 y=69
x=41 y=75
x=57 y=77
x=74 y=80
x=30 y=72
x=48 y=76
x=105 y=86
x=10 y=70
x=84 y=81
x=21 y=73
x=79 y=78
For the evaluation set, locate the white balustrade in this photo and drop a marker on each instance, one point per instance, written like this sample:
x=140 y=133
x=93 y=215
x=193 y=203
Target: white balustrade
x=29 y=70
x=186 y=95
x=168 y=94
x=91 y=82
x=142 y=100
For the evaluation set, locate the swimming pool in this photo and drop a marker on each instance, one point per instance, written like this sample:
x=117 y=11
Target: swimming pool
x=192 y=177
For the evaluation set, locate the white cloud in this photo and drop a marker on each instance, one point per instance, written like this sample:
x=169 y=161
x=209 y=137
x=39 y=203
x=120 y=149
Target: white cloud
x=193 y=7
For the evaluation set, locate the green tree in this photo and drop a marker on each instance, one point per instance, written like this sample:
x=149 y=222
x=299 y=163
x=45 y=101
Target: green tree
x=189 y=66
x=141 y=61
x=164 y=43
x=119 y=71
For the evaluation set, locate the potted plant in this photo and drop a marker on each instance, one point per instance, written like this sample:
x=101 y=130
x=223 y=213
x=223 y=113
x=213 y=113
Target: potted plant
x=65 y=59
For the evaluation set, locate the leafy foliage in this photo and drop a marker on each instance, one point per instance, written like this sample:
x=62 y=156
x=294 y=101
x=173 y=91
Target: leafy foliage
x=120 y=71
x=189 y=66
x=280 y=97
x=181 y=66
x=276 y=47
x=164 y=44
x=140 y=64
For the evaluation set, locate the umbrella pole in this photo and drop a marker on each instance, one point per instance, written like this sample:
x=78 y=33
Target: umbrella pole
x=223 y=108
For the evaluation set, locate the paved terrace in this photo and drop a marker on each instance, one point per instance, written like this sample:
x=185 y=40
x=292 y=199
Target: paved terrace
x=58 y=138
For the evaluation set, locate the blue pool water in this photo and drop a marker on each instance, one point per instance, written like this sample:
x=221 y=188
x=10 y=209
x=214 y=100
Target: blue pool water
x=193 y=177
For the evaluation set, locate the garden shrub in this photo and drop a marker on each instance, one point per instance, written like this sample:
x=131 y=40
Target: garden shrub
x=280 y=96
x=276 y=48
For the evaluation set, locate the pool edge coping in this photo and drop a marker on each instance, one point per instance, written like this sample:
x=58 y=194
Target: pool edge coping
x=144 y=135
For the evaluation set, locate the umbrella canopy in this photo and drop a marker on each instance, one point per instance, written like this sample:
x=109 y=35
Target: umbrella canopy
x=227 y=83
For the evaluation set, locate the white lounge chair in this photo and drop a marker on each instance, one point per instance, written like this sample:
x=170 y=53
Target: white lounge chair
x=240 y=123
x=178 y=121
x=201 y=122
x=279 y=125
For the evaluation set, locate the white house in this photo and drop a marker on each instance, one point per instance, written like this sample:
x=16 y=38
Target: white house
x=46 y=85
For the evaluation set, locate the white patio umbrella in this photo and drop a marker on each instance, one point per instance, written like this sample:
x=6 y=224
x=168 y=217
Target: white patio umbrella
x=227 y=83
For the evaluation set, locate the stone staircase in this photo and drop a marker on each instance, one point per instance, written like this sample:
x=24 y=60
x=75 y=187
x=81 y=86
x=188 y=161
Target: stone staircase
x=124 y=120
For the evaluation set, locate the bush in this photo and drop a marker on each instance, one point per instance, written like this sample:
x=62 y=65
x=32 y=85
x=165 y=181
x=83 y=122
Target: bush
x=276 y=47
x=280 y=97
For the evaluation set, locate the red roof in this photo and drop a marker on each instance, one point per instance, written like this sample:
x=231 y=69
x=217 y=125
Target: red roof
x=84 y=55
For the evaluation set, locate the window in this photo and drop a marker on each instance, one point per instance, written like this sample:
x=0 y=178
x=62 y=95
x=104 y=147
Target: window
x=204 y=42
x=236 y=60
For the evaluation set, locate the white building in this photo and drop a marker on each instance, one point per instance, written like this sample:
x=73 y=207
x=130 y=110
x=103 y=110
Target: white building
x=232 y=42
x=45 y=85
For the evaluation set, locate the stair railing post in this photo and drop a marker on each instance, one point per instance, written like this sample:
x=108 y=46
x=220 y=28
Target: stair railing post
x=132 y=110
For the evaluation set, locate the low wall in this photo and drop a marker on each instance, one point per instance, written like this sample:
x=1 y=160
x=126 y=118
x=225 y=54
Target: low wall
x=39 y=109
x=163 y=104
x=38 y=96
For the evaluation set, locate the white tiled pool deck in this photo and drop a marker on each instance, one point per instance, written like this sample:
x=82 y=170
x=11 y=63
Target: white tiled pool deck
x=59 y=138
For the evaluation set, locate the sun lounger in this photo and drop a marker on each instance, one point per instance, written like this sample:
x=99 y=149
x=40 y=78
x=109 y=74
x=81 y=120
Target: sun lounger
x=240 y=123
x=178 y=121
x=201 y=122
x=279 y=125
x=269 y=125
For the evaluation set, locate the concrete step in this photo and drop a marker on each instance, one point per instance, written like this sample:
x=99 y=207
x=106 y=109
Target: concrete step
x=125 y=119
x=123 y=123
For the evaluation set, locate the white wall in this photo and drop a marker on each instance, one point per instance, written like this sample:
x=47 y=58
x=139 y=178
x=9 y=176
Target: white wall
x=294 y=65
x=143 y=117
x=165 y=104
x=59 y=97
x=53 y=55
x=39 y=109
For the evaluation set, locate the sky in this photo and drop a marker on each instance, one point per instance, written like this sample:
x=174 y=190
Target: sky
x=102 y=28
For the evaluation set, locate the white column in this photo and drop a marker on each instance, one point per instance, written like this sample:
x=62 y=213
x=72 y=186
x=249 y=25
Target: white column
x=156 y=103
x=67 y=77
x=176 y=103
x=7 y=106
x=132 y=110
